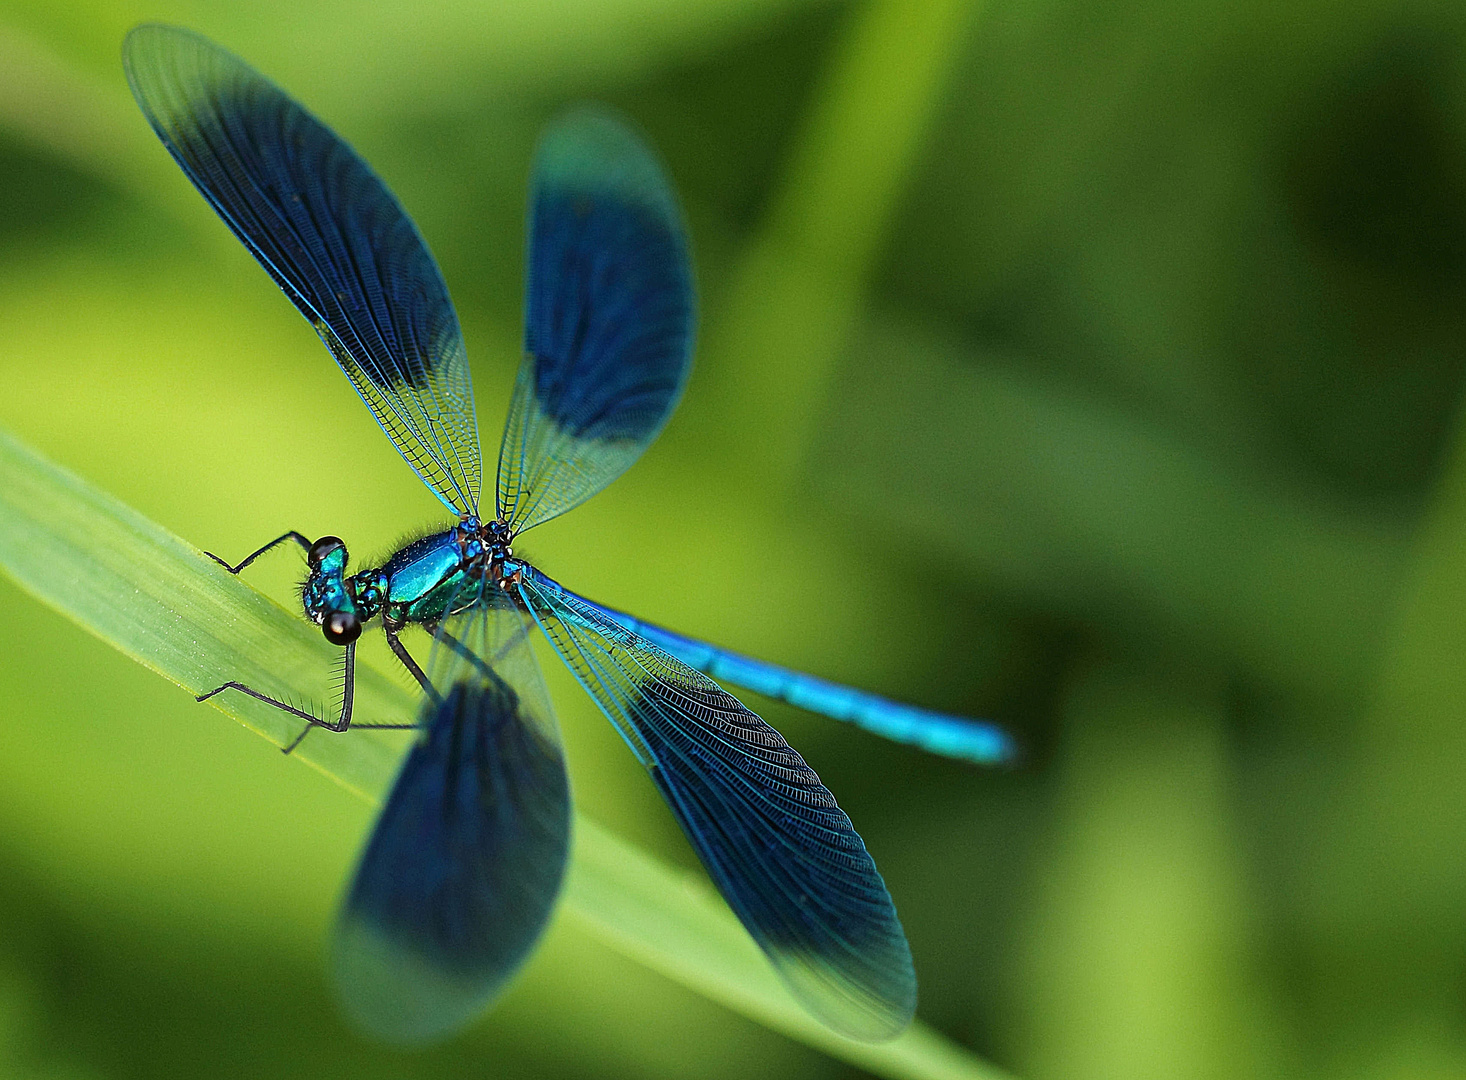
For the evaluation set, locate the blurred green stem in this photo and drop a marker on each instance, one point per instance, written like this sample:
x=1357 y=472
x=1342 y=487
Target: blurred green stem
x=1139 y=959
x=797 y=290
x=1387 y=888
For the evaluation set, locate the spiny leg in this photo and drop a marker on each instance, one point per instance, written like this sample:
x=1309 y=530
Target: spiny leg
x=392 y=628
x=312 y=720
x=484 y=667
x=291 y=535
x=342 y=722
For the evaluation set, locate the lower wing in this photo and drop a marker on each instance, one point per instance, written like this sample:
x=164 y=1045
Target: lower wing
x=784 y=855
x=461 y=873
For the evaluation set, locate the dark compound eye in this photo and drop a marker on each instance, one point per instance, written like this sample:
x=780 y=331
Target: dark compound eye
x=323 y=547
x=341 y=627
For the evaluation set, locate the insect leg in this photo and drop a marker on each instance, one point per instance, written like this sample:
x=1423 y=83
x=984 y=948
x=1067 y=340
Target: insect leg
x=291 y=535
x=484 y=666
x=340 y=724
x=400 y=651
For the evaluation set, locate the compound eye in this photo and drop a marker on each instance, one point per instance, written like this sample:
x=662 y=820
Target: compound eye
x=341 y=627
x=323 y=547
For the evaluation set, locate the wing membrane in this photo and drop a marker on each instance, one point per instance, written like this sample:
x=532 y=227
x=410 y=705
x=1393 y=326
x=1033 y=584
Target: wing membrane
x=783 y=853
x=462 y=869
x=330 y=234
x=608 y=322
x=976 y=741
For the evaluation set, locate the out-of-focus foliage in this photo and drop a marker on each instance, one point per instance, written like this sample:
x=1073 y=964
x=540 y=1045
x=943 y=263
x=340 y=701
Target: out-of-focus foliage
x=1093 y=367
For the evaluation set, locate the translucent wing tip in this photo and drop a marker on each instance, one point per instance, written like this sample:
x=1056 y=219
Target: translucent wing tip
x=593 y=149
x=395 y=994
x=876 y=1009
x=148 y=46
x=844 y=954
x=860 y=980
x=146 y=35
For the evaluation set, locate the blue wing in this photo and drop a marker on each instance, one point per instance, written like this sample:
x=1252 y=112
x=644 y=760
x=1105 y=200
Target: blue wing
x=330 y=234
x=461 y=872
x=976 y=741
x=784 y=855
x=608 y=320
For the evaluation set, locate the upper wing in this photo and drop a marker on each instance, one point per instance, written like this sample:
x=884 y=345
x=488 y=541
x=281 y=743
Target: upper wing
x=608 y=321
x=461 y=873
x=784 y=855
x=977 y=741
x=330 y=234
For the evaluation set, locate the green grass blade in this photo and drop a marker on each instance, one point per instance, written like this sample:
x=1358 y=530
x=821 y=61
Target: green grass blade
x=160 y=601
x=799 y=286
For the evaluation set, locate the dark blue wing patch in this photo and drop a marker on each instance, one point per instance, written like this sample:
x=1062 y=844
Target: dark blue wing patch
x=459 y=878
x=609 y=317
x=784 y=855
x=330 y=234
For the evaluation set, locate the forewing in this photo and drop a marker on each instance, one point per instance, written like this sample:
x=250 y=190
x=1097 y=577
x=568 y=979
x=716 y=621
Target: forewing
x=461 y=872
x=330 y=234
x=609 y=315
x=770 y=834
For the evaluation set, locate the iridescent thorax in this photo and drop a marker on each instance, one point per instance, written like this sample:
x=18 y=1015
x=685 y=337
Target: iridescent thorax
x=416 y=585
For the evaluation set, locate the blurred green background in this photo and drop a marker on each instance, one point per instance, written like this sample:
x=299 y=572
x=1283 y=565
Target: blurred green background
x=1095 y=368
